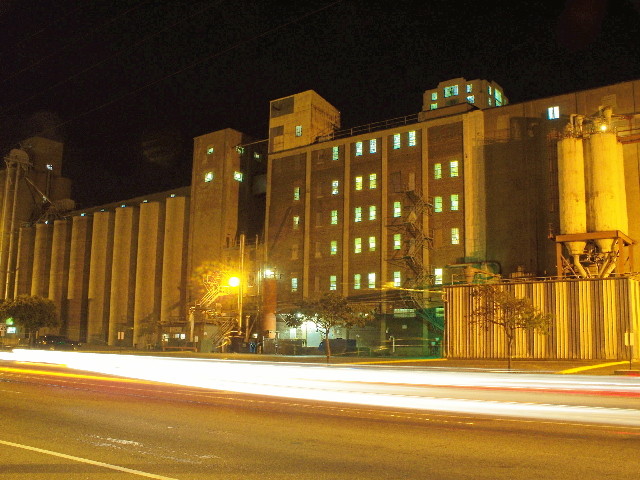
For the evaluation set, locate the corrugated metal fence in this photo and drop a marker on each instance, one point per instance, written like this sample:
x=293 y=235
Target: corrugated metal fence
x=590 y=318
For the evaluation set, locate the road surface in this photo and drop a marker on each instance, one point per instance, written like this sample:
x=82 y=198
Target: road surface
x=59 y=423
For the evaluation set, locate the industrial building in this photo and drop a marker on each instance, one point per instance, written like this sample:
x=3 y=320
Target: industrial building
x=400 y=216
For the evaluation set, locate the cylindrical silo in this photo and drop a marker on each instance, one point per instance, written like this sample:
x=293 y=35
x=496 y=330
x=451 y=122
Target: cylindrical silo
x=41 y=260
x=24 y=266
x=99 y=290
x=571 y=187
x=173 y=302
x=606 y=197
x=59 y=273
x=146 y=308
x=77 y=289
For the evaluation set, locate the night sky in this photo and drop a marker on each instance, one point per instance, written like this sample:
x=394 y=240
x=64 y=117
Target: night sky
x=128 y=84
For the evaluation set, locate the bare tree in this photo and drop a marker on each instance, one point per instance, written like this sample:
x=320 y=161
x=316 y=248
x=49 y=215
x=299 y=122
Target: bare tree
x=497 y=306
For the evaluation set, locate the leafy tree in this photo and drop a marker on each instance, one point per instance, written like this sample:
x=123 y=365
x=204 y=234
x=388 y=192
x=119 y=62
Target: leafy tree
x=497 y=306
x=327 y=312
x=31 y=313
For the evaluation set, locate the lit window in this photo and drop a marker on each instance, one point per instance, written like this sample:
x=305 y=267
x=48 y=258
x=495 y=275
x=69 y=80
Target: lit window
x=358 y=182
x=294 y=284
x=553 y=113
x=397 y=209
x=453 y=168
x=237 y=176
x=335 y=155
x=489 y=101
x=434 y=95
x=240 y=149
x=209 y=150
x=412 y=138
x=469 y=88
x=471 y=99
x=49 y=167
x=298 y=130
x=454 y=201
x=396 y=141
x=455 y=236
x=372 y=244
x=358 y=149
x=498 y=96
x=296 y=221
x=334 y=217
x=433 y=106
x=437 y=204
x=335 y=187
x=296 y=193
x=372 y=280
x=333 y=282
x=397 y=241
x=334 y=247
x=437 y=273
x=373 y=145
x=357 y=245
x=489 y=89
x=356 y=281
x=373 y=212
x=208 y=177
x=450 y=91
x=397 y=279
x=357 y=214
x=256 y=155
x=437 y=171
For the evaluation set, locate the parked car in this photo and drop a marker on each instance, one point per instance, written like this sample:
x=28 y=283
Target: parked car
x=56 y=342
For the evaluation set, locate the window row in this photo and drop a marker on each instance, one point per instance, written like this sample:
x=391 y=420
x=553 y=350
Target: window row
x=454 y=171
x=358 y=215
x=454 y=203
x=210 y=176
x=411 y=141
x=360 y=281
x=371 y=244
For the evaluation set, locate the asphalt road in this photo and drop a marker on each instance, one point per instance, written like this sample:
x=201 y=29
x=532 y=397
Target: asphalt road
x=99 y=427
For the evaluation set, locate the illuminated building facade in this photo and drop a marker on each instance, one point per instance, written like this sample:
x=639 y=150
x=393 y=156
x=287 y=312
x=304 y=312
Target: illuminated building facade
x=460 y=192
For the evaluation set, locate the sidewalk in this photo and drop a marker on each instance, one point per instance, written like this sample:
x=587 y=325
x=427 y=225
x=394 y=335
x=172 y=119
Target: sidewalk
x=581 y=367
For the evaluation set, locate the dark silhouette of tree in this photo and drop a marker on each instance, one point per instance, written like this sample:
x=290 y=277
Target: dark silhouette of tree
x=30 y=313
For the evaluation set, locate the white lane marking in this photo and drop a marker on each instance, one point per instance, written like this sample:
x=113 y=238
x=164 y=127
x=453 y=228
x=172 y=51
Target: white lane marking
x=86 y=460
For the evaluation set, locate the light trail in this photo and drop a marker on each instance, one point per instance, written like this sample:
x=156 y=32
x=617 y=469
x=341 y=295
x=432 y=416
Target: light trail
x=396 y=387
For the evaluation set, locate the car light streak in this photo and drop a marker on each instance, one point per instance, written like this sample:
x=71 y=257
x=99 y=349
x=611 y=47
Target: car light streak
x=373 y=386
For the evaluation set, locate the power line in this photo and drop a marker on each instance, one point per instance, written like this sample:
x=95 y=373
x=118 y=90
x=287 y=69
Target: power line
x=198 y=62
x=106 y=59
x=35 y=34
x=70 y=43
